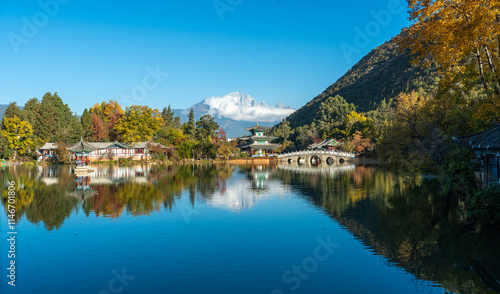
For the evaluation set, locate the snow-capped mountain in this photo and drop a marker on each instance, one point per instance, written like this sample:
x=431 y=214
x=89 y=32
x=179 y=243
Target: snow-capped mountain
x=236 y=110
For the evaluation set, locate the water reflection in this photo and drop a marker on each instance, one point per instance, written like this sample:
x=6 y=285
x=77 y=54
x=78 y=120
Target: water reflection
x=407 y=221
x=109 y=191
x=324 y=170
x=259 y=175
x=251 y=185
x=403 y=219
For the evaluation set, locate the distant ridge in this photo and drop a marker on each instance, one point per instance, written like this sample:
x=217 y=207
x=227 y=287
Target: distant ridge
x=383 y=73
x=3 y=107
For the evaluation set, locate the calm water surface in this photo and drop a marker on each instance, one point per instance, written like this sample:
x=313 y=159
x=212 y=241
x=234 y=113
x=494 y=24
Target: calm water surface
x=223 y=229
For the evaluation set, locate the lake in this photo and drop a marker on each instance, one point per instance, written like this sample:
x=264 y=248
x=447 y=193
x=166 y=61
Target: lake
x=240 y=229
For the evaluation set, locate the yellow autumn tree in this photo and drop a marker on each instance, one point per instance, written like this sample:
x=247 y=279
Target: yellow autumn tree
x=356 y=131
x=355 y=122
x=19 y=135
x=409 y=115
x=139 y=123
x=456 y=33
x=413 y=138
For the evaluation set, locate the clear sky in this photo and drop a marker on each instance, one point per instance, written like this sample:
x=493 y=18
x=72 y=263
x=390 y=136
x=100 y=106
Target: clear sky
x=180 y=52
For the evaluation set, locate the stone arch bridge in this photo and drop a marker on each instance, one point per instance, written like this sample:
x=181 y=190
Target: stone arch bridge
x=316 y=157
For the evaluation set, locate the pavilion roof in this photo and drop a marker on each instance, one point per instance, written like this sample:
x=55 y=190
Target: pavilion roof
x=257 y=128
x=324 y=143
x=263 y=138
x=260 y=146
x=48 y=146
x=82 y=147
x=92 y=146
x=488 y=139
x=140 y=145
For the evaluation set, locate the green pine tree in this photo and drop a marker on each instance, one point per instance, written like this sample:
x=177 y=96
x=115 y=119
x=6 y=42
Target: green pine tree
x=86 y=122
x=191 y=125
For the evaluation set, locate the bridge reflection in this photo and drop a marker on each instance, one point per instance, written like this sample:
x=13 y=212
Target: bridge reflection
x=322 y=169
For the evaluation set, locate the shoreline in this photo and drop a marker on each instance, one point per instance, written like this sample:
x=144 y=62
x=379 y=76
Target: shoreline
x=233 y=161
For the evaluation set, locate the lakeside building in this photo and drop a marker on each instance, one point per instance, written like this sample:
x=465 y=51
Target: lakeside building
x=82 y=153
x=47 y=152
x=258 y=143
x=486 y=146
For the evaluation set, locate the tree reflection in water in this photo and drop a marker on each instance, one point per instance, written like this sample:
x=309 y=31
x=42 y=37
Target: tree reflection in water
x=50 y=194
x=406 y=220
x=403 y=219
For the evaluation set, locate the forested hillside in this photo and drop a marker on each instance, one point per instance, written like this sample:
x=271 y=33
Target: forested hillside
x=382 y=74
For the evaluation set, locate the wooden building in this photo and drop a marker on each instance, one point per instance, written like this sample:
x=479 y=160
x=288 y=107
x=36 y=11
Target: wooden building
x=47 y=152
x=486 y=146
x=85 y=152
x=258 y=144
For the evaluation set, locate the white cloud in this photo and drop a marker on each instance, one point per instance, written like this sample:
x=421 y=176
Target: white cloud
x=240 y=107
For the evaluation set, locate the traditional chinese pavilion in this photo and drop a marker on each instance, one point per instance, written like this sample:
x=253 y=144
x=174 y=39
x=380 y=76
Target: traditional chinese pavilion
x=258 y=144
x=81 y=152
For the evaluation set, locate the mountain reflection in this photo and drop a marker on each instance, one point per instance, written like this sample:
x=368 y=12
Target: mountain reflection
x=243 y=192
x=403 y=219
x=409 y=223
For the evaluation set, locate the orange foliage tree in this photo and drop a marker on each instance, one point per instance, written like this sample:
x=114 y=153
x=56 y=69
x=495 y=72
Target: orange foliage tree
x=109 y=113
x=99 y=132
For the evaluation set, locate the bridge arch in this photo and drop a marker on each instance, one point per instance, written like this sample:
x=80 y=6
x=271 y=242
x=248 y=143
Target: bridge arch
x=316 y=157
x=315 y=160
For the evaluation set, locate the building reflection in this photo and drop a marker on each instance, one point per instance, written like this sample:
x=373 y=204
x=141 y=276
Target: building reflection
x=117 y=174
x=259 y=176
x=243 y=192
x=403 y=219
x=325 y=170
x=82 y=189
x=49 y=175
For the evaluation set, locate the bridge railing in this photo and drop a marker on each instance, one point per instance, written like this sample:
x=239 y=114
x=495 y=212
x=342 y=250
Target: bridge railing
x=319 y=152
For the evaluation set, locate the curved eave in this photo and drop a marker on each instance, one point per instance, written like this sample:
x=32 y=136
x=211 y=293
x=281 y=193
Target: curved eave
x=261 y=146
x=84 y=150
x=487 y=140
x=258 y=128
x=263 y=138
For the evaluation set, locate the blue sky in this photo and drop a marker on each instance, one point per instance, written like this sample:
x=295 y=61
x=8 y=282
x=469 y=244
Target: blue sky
x=180 y=52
